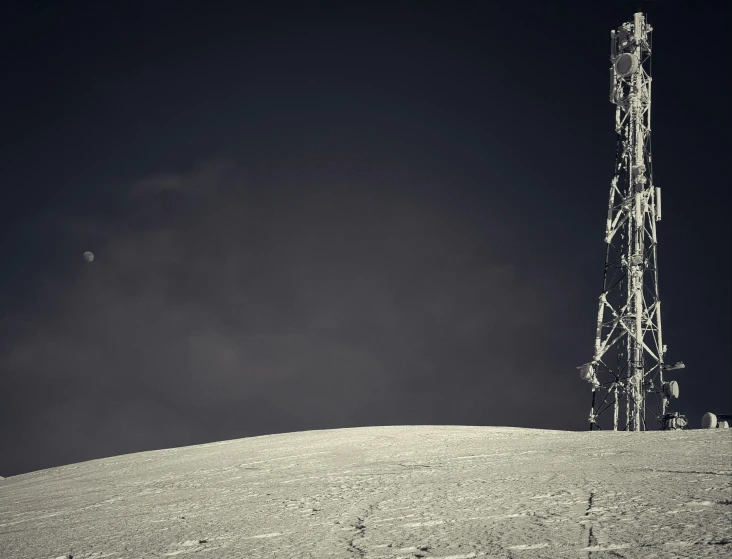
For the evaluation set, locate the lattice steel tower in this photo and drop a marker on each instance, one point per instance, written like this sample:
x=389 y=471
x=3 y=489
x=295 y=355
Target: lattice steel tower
x=629 y=359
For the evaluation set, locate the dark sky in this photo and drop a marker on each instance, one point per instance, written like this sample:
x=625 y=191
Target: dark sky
x=324 y=217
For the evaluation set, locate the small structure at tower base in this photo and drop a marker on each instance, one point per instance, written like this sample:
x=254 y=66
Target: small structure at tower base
x=673 y=421
x=716 y=421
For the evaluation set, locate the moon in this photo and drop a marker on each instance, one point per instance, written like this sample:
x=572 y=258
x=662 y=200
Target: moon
x=88 y=256
x=387 y=492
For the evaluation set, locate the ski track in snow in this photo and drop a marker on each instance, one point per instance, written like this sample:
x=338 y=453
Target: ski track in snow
x=439 y=492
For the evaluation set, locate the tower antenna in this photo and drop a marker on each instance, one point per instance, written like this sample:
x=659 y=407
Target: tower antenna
x=629 y=361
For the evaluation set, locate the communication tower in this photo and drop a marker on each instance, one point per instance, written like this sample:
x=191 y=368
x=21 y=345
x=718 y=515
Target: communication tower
x=629 y=362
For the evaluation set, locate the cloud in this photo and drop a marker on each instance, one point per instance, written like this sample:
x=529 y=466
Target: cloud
x=205 y=179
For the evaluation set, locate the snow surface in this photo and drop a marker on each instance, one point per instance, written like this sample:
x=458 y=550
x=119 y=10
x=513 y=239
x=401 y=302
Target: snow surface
x=448 y=492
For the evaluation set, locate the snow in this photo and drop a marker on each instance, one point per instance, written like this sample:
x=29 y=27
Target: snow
x=384 y=493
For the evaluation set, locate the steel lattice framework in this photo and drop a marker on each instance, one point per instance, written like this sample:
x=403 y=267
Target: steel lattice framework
x=629 y=358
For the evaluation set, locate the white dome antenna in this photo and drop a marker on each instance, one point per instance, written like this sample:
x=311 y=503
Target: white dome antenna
x=716 y=421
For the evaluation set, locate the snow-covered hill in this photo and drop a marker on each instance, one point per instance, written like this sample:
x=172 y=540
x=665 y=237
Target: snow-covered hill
x=386 y=492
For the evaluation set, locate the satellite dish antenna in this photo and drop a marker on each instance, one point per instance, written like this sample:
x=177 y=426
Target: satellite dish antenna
x=671 y=389
x=88 y=256
x=626 y=64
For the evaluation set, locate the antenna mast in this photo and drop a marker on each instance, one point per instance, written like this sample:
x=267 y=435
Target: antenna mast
x=629 y=358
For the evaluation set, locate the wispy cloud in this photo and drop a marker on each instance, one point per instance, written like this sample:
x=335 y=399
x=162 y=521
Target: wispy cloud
x=205 y=179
